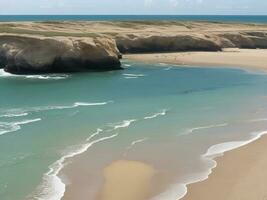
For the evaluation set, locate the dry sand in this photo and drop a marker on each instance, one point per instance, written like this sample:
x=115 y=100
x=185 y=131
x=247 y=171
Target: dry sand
x=127 y=180
x=240 y=175
x=254 y=59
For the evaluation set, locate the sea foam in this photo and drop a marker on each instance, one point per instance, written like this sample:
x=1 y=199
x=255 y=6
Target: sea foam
x=162 y=113
x=53 y=187
x=48 y=77
x=7 y=127
x=191 y=130
x=5 y=74
x=14 y=115
x=133 y=144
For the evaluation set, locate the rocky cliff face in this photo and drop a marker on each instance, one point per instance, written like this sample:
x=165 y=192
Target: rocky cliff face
x=190 y=42
x=28 y=55
x=249 y=40
x=43 y=47
x=161 y=43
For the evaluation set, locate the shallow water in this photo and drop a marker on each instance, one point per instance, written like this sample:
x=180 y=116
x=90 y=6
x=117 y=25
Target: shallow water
x=58 y=132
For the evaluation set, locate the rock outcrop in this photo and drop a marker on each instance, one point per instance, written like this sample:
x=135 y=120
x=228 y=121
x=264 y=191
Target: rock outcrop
x=44 y=47
x=248 y=40
x=29 y=55
x=165 y=43
x=190 y=42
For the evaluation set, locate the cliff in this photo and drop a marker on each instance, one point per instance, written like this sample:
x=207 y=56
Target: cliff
x=28 y=55
x=44 y=47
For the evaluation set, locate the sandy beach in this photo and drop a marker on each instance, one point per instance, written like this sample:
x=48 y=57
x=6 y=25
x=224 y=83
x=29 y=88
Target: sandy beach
x=253 y=59
x=129 y=180
x=240 y=174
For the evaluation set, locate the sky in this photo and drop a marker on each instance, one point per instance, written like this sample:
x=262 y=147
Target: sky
x=159 y=7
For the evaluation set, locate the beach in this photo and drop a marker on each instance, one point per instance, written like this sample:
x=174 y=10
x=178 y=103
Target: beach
x=240 y=174
x=253 y=59
x=127 y=180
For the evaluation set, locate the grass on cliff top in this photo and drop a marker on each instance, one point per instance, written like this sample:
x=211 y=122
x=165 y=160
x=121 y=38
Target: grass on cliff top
x=12 y=30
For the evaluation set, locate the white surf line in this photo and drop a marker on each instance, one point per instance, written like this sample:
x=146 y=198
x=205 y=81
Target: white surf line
x=14 y=115
x=48 y=77
x=57 y=107
x=14 y=126
x=163 y=64
x=123 y=124
x=179 y=191
x=53 y=187
x=258 y=120
x=134 y=143
x=191 y=130
x=3 y=73
x=168 y=68
x=98 y=131
x=164 y=112
x=134 y=75
x=131 y=77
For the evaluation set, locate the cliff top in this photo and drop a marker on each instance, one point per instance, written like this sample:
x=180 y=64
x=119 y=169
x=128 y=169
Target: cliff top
x=113 y=29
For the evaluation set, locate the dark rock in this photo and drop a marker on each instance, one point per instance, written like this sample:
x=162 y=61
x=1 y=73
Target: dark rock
x=31 y=55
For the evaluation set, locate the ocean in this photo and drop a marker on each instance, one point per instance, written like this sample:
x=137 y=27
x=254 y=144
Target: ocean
x=219 y=18
x=58 y=131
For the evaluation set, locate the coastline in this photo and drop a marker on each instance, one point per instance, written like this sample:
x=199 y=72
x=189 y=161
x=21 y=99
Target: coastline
x=249 y=59
x=239 y=174
x=238 y=171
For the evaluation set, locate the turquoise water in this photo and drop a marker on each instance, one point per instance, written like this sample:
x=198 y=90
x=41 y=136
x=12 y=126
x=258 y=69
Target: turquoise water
x=56 y=128
x=223 y=18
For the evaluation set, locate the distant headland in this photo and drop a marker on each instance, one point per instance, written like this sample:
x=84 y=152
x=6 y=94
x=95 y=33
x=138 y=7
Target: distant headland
x=75 y=46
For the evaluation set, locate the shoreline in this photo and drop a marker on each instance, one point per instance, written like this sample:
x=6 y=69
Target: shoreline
x=229 y=172
x=248 y=59
x=216 y=160
x=237 y=155
x=216 y=155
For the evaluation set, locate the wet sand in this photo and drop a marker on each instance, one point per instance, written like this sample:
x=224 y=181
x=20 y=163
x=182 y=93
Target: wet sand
x=129 y=180
x=253 y=59
x=240 y=175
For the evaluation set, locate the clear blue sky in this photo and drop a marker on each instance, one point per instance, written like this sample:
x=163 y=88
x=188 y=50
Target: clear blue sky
x=89 y=7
